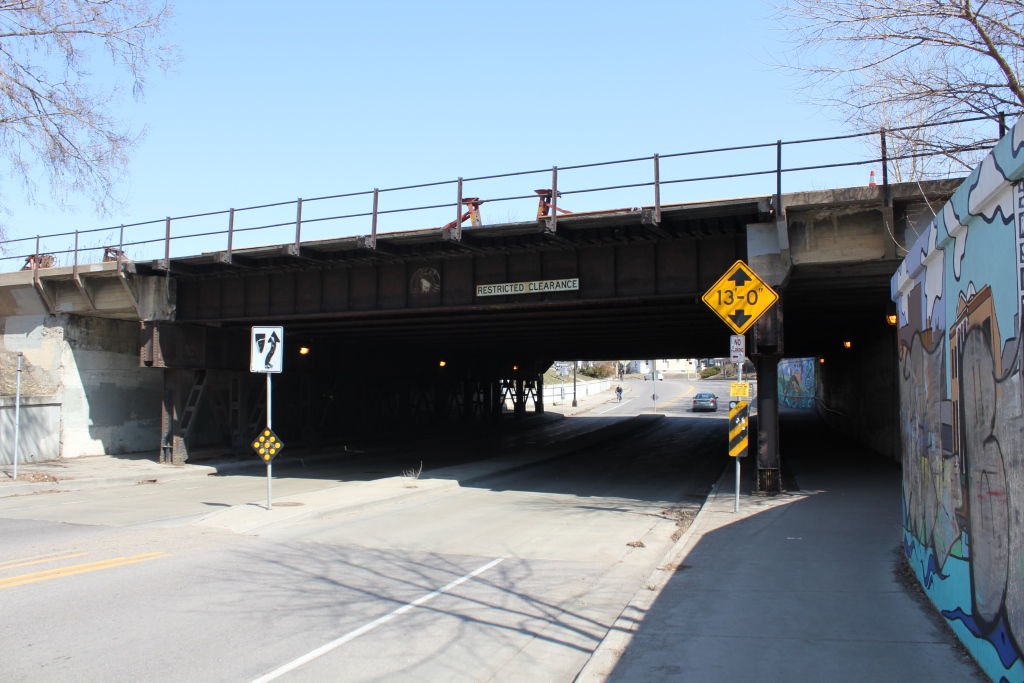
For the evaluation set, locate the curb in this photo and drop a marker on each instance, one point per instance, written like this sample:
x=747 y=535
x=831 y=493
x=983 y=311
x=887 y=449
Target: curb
x=86 y=483
x=611 y=648
x=444 y=484
x=170 y=474
x=298 y=516
x=299 y=457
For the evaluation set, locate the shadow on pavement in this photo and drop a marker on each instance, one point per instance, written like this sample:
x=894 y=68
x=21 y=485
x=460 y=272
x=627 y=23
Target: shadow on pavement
x=795 y=587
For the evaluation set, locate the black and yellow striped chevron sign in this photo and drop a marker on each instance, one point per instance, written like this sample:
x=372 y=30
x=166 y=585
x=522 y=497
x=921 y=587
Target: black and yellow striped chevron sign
x=738 y=429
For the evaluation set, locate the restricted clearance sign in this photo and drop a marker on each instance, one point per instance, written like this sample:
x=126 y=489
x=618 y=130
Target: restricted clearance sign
x=740 y=297
x=535 y=287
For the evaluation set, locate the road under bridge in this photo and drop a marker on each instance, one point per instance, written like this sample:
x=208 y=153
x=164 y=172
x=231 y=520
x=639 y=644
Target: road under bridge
x=415 y=328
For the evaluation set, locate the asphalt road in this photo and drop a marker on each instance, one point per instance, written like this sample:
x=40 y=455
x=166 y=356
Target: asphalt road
x=516 y=576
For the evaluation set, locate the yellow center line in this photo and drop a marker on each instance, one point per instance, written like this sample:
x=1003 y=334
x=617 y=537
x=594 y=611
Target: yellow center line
x=678 y=398
x=39 y=559
x=78 y=569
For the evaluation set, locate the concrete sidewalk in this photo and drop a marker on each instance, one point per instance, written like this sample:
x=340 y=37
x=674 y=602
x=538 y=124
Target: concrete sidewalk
x=101 y=471
x=798 y=587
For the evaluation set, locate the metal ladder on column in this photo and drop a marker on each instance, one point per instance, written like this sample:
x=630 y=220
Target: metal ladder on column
x=195 y=399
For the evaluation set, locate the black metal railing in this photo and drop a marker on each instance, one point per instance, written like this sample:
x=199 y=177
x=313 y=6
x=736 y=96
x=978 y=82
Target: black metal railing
x=143 y=238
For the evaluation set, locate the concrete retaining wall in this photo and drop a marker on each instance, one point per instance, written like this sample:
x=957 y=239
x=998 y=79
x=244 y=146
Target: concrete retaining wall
x=553 y=393
x=88 y=369
x=38 y=429
x=959 y=298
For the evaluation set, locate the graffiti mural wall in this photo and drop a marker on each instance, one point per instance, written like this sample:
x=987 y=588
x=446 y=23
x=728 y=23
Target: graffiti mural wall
x=796 y=382
x=959 y=294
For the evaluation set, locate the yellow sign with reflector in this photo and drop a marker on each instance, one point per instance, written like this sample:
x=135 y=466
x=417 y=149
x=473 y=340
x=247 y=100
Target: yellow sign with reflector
x=267 y=445
x=738 y=418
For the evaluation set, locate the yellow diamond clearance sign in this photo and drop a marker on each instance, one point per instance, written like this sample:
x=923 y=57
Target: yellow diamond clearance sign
x=740 y=297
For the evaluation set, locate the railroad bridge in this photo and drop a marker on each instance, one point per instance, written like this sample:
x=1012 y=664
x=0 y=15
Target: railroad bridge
x=397 y=331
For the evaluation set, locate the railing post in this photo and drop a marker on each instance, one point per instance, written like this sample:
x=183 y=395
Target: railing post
x=657 y=191
x=458 y=214
x=167 y=246
x=231 y=231
x=554 y=198
x=120 y=246
x=35 y=259
x=778 y=180
x=885 y=170
x=75 y=269
x=373 y=221
x=298 y=224
x=1002 y=124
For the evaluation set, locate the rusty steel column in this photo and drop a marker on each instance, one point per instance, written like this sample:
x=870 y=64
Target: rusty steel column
x=520 y=410
x=170 y=450
x=496 y=401
x=767 y=345
x=768 y=476
x=538 y=405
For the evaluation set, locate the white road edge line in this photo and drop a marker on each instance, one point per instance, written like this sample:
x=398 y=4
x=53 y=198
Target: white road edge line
x=352 y=635
x=617 y=404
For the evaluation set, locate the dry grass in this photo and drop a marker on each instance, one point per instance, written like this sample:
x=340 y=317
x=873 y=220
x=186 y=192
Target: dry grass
x=32 y=477
x=412 y=475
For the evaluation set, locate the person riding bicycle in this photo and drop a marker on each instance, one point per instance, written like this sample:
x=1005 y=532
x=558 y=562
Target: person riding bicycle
x=618 y=392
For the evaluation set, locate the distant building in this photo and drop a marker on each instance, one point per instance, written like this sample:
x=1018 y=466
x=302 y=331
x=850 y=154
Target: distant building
x=670 y=366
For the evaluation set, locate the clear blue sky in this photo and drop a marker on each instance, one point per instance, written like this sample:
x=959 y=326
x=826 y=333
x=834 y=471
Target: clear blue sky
x=276 y=101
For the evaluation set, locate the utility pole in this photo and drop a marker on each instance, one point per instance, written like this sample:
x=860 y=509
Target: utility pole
x=574 y=363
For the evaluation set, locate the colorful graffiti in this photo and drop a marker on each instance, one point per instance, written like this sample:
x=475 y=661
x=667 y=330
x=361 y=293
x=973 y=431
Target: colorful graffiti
x=960 y=297
x=796 y=382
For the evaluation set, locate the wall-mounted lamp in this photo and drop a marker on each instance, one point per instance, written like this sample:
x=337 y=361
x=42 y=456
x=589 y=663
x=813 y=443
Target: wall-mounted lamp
x=303 y=350
x=847 y=344
x=515 y=367
x=821 y=360
x=891 y=318
x=442 y=363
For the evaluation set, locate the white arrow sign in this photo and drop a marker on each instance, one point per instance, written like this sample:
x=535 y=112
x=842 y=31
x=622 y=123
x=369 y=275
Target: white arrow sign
x=266 y=349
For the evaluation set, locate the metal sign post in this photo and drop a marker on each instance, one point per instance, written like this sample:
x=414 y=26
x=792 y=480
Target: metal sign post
x=270 y=463
x=738 y=440
x=266 y=353
x=17 y=416
x=654 y=383
x=574 y=364
x=267 y=446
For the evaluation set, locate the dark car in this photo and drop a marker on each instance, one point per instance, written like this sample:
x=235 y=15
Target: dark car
x=705 y=401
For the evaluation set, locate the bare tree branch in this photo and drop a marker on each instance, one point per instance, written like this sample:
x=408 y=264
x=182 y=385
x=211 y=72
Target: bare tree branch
x=895 y=63
x=58 y=126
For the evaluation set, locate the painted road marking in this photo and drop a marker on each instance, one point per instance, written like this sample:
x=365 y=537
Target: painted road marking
x=78 y=569
x=352 y=635
x=678 y=398
x=616 y=404
x=38 y=559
